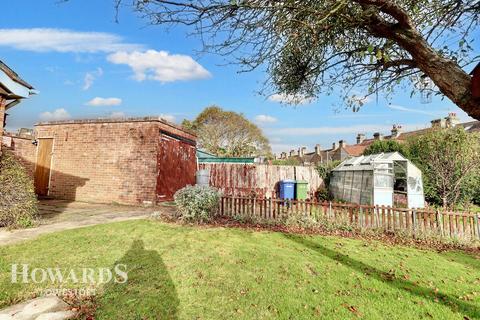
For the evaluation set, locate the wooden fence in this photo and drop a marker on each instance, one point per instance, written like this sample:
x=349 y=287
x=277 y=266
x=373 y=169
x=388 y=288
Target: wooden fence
x=258 y=179
x=415 y=222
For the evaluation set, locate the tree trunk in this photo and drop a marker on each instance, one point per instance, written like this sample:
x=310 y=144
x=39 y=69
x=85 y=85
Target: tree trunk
x=447 y=75
x=444 y=202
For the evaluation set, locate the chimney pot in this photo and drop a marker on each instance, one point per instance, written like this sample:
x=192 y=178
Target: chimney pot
x=360 y=138
x=342 y=143
x=451 y=120
x=378 y=136
x=301 y=151
x=334 y=146
x=396 y=130
x=292 y=153
x=318 y=149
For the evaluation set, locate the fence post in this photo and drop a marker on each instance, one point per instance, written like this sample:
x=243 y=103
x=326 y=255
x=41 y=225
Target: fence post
x=361 y=217
x=254 y=206
x=477 y=223
x=330 y=209
x=376 y=216
x=440 y=222
x=414 y=222
x=271 y=209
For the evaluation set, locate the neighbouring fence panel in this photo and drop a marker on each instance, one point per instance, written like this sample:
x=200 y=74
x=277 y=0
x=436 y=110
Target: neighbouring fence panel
x=416 y=223
x=259 y=180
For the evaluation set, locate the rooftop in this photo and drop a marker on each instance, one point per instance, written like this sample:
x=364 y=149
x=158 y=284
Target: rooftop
x=13 y=75
x=115 y=120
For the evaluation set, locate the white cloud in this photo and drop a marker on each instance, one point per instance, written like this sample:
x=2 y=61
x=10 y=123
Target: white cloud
x=290 y=99
x=263 y=118
x=117 y=115
x=90 y=78
x=282 y=147
x=160 y=65
x=168 y=117
x=104 y=102
x=411 y=110
x=63 y=40
x=58 y=114
x=330 y=130
x=341 y=130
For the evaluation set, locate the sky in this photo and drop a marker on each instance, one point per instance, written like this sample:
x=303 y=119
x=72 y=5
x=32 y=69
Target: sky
x=87 y=63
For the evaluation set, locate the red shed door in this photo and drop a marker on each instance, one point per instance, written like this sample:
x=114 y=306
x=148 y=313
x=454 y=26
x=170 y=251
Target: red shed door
x=176 y=165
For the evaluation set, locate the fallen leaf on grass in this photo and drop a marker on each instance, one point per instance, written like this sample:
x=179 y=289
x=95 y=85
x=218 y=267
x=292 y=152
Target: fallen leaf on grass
x=353 y=310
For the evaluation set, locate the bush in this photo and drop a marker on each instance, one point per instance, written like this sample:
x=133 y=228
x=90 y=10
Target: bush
x=18 y=203
x=324 y=170
x=197 y=203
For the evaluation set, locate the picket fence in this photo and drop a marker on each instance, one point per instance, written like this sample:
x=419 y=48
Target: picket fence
x=415 y=222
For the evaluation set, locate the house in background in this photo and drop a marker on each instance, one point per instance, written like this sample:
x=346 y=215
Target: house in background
x=12 y=90
x=341 y=150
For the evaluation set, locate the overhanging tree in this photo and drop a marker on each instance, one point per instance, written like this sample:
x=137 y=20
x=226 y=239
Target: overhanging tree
x=310 y=46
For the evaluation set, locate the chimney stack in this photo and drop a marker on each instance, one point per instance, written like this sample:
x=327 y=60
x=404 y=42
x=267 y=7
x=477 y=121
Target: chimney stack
x=334 y=146
x=283 y=155
x=438 y=123
x=378 y=136
x=452 y=120
x=342 y=143
x=301 y=151
x=396 y=130
x=360 y=138
x=318 y=149
x=292 y=153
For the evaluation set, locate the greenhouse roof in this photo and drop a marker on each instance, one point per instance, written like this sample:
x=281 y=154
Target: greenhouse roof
x=367 y=162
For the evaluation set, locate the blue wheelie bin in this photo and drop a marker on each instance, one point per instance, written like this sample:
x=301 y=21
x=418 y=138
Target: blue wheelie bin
x=287 y=189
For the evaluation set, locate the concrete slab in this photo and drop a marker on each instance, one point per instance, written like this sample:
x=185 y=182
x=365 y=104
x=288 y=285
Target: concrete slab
x=58 y=215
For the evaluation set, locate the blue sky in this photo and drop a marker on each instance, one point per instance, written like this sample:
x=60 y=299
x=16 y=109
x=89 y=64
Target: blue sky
x=86 y=65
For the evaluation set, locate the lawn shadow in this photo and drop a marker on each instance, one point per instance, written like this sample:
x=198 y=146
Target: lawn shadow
x=149 y=292
x=453 y=303
x=468 y=260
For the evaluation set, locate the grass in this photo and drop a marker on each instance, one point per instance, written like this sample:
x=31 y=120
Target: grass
x=181 y=272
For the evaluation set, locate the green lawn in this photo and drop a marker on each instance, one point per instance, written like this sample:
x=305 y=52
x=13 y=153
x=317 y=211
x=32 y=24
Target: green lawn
x=182 y=272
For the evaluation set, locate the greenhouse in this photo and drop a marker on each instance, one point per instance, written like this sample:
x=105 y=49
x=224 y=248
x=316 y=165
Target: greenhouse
x=379 y=179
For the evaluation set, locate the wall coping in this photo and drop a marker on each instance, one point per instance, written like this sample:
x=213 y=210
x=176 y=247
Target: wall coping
x=113 y=120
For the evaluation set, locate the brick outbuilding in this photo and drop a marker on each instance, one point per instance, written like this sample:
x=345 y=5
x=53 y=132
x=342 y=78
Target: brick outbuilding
x=131 y=161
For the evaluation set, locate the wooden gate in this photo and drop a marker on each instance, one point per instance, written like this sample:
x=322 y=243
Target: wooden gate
x=176 y=165
x=42 y=168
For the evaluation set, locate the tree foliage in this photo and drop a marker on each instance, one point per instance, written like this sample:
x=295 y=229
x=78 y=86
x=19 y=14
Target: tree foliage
x=287 y=162
x=228 y=134
x=325 y=172
x=449 y=160
x=380 y=146
x=311 y=46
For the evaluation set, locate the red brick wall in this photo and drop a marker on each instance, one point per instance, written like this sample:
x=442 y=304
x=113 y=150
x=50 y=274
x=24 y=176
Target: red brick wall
x=108 y=161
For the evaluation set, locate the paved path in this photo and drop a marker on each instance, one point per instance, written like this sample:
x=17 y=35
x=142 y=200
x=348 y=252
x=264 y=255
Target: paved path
x=58 y=215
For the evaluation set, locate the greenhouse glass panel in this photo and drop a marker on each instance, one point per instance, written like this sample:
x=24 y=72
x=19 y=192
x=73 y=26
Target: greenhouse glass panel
x=383 y=180
x=375 y=178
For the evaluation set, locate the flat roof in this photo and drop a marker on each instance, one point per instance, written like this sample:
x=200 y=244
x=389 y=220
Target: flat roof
x=115 y=120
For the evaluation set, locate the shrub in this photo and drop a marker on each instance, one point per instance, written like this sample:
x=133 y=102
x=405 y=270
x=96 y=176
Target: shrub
x=324 y=170
x=385 y=146
x=197 y=203
x=18 y=203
